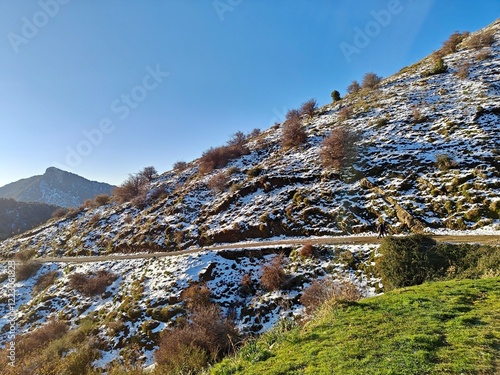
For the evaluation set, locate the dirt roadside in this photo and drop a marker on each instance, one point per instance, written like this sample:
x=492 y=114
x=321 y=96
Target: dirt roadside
x=360 y=240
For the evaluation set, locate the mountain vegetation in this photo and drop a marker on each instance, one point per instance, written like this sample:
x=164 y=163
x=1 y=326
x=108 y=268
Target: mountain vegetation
x=419 y=150
x=17 y=217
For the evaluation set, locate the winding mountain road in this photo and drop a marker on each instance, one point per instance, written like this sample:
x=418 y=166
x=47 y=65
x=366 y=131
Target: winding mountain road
x=341 y=240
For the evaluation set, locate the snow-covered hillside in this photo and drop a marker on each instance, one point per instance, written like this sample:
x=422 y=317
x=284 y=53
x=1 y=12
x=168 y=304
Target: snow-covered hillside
x=428 y=159
x=406 y=125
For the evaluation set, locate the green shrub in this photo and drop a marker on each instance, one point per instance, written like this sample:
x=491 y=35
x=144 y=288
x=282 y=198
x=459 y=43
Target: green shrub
x=407 y=261
x=335 y=96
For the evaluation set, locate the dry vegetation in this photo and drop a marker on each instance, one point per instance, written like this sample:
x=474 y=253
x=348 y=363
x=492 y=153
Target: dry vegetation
x=92 y=284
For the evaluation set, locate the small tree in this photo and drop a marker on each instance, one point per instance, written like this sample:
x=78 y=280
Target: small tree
x=335 y=96
x=339 y=149
x=370 y=81
x=308 y=108
x=354 y=87
x=407 y=261
x=148 y=174
x=293 y=134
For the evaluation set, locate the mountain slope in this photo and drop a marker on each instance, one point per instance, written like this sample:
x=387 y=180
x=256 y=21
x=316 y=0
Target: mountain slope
x=55 y=187
x=16 y=217
x=428 y=159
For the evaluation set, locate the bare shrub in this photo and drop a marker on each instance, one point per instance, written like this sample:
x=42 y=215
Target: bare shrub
x=94 y=219
x=354 y=87
x=254 y=133
x=451 y=44
x=293 y=134
x=480 y=40
x=339 y=149
x=273 y=275
x=27 y=269
x=292 y=114
x=327 y=290
x=92 y=284
x=217 y=157
x=205 y=338
x=246 y=284
x=370 y=81
x=309 y=108
x=60 y=213
x=218 y=182
x=148 y=174
x=45 y=281
x=130 y=189
x=307 y=250
x=196 y=296
x=463 y=70
x=417 y=116
x=40 y=337
x=102 y=199
x=180 y=166
x=483 y=55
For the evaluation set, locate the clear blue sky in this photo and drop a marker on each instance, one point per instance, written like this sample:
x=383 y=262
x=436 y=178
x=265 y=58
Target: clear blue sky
x=103 y=88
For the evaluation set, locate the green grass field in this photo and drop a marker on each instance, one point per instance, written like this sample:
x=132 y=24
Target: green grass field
x=450 y=327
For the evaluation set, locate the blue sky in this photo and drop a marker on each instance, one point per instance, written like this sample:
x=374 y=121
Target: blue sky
x=103 y=88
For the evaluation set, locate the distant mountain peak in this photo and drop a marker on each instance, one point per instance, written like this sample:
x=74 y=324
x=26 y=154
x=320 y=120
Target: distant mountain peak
x=55 y=187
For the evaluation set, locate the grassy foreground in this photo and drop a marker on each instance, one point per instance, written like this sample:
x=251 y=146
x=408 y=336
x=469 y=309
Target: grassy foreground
x=450 y=327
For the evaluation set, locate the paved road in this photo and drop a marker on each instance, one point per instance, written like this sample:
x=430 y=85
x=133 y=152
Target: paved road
x=350 y=240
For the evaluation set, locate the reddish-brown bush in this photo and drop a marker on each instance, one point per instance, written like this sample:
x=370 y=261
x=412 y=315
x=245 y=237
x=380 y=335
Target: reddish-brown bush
x=218 y=182
x=93 y=283
x=480 y=40
x=321 y=291
x=130 y=189
x=60 y=213
x=339 y=149
x=370 y=81
x=196 y=296
x=102 y=199
x=451 y=44
x=45 y=281
x=27 y=269
x=307 y=250
x=354 y=87
x=292 y=114
x=293 y=134
x=217 y=157
x=246 y=284
x=273 y=275
x=40 y=337
x=309 y=108
x=463 y=70
x=205 y=338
